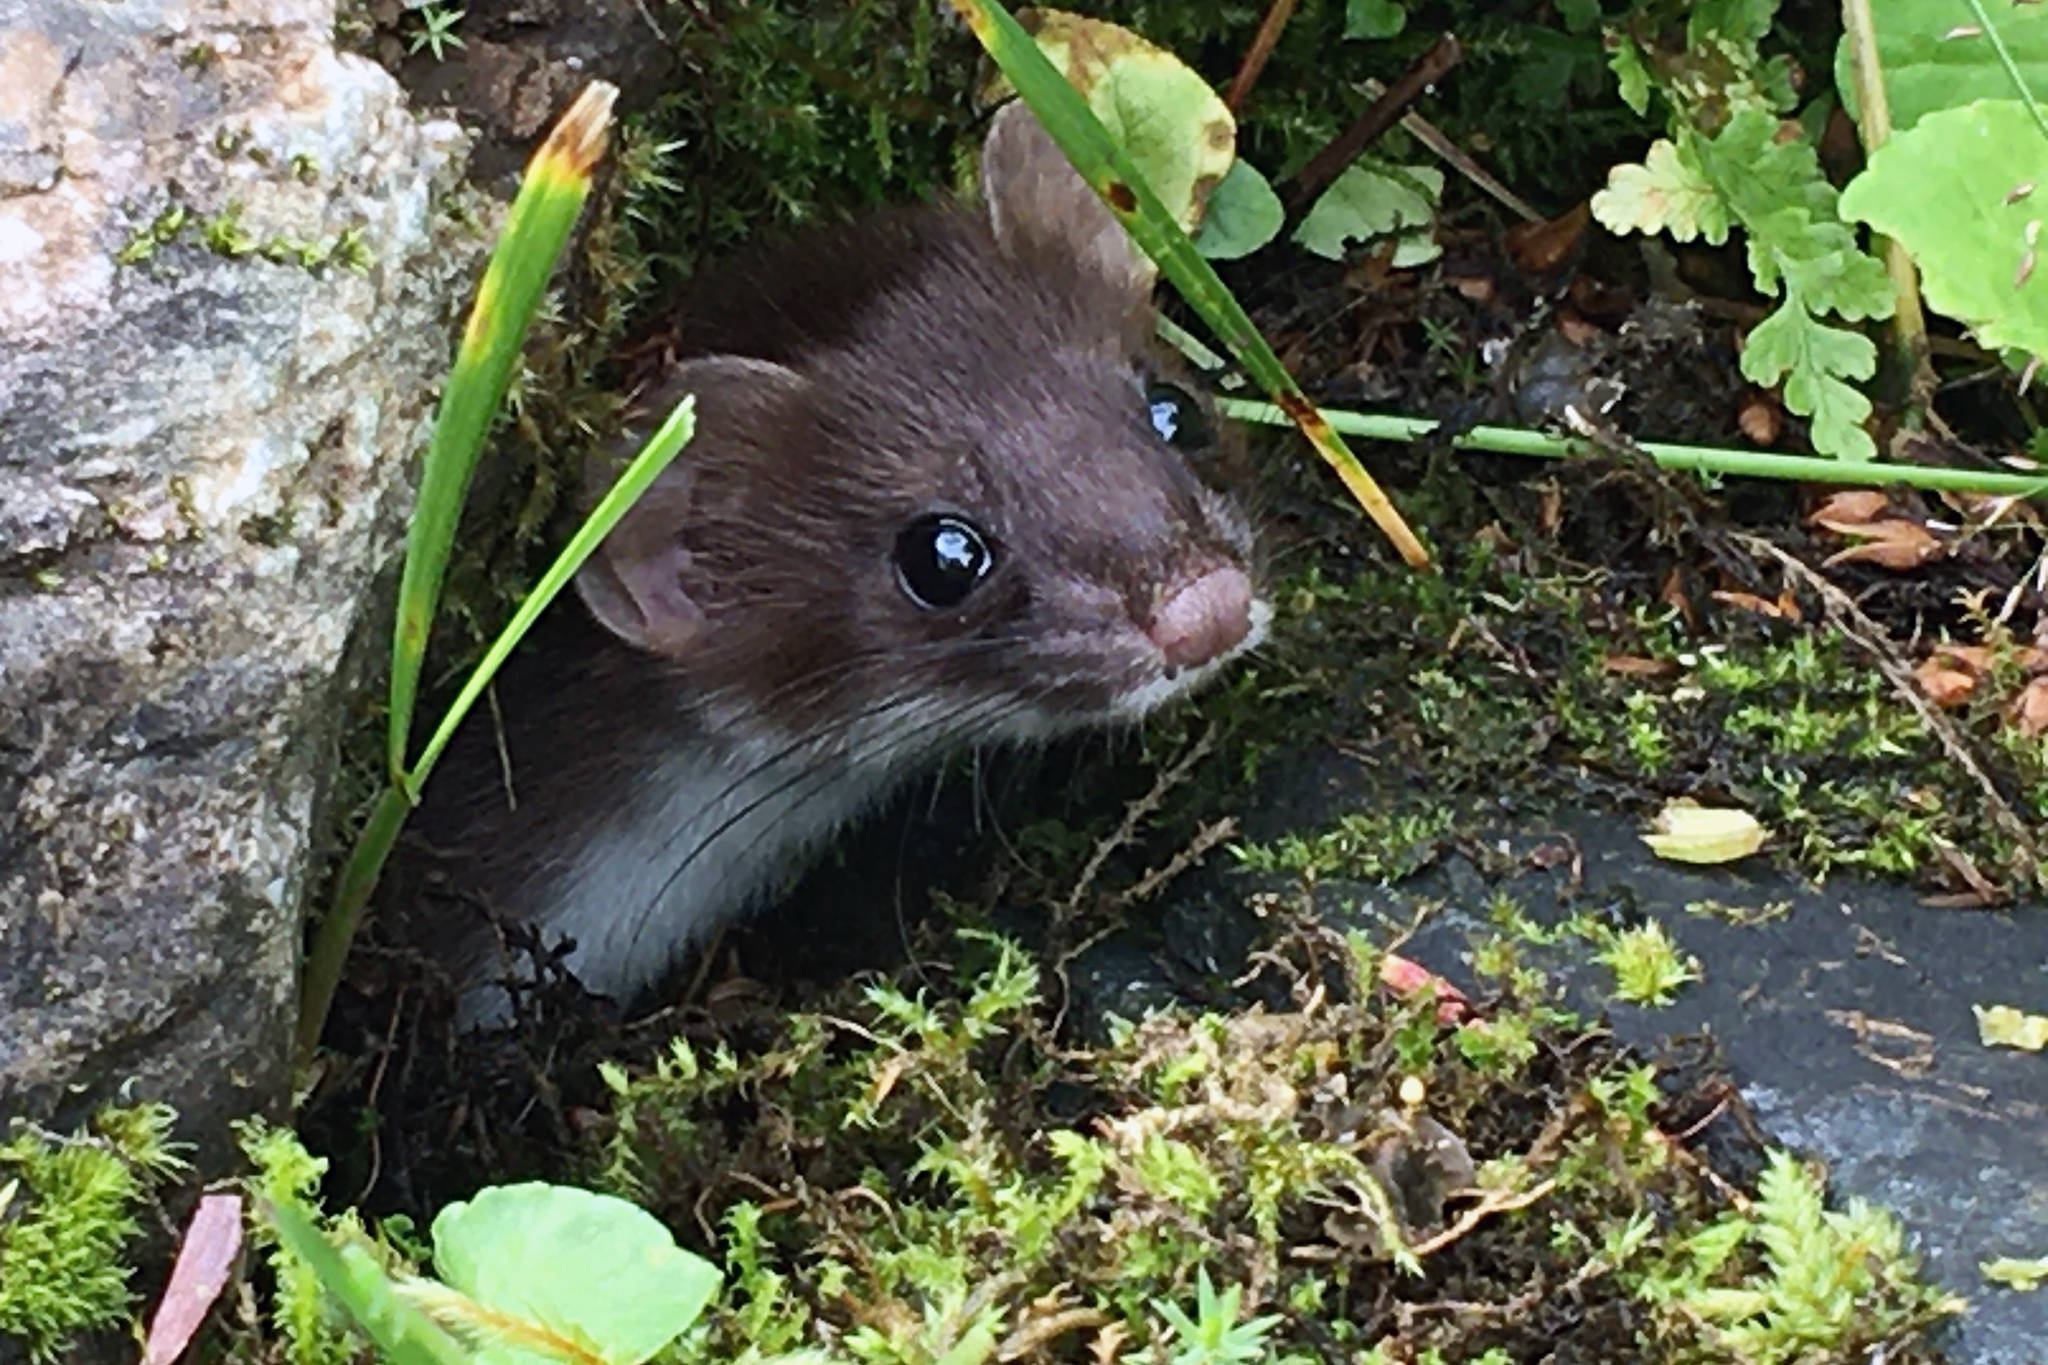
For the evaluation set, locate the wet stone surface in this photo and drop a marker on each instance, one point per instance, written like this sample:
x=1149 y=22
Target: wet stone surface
x=1844 y=1014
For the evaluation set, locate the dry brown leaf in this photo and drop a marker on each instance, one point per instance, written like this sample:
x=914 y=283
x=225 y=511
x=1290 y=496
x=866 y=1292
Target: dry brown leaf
x=1760 y=420
x=1853 y=506
x=1577 y=330
x=1786 y=608
x=2030 y=712
x=1979 y=659
x=1635 y=666
x=1944 y=684
x=1893 y=544
x=1540 y=248
x=206 y=1260
x=1478 y=288
x=1405 y=977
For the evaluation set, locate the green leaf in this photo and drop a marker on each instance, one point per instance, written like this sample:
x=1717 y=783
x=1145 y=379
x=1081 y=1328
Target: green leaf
x=1813 y=361
x=1625 y=59
x=1775 y=189
x=586 y=1267
x=1957 y=193
x=1374 y=18
x=2016 y=1273
x=1580 y=16
x=654 y=456
x=550 y=196
x=1366 y=202
x=1669 y=192
x=1934 y=60
x=1244 y=214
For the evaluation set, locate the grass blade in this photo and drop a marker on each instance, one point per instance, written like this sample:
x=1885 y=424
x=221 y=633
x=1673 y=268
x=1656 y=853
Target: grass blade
x=402 y=1333
x=550 y=196
x=387 y=820
x=1110 y=172
x=654 y=457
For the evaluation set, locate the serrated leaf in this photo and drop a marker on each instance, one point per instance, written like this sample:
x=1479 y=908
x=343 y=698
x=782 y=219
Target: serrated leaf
x=1933 y=60
x=1244 y=214
x=1813 y=361
x=588 y=1268
x=1958 y=192
x=1166 y=118
x=1374 y=18
x=1667 y=193
x=1776 y=190
x=1631 y=73
x=1366 y=202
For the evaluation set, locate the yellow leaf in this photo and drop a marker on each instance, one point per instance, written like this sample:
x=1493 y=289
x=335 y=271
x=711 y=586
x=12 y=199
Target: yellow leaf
x=1687 y=832
x=2004 y=1026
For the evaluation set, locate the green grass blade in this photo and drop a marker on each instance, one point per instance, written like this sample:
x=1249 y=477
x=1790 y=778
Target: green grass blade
x=344 y=915
x=654 y=457
x=387 y=820
x=550 y=196
x=1705 y=459
x=402 y=1333
x=1110 y=172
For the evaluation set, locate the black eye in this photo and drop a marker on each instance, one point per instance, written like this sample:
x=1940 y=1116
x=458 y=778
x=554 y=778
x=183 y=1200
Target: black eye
x=1176 y=416
x=939 y=559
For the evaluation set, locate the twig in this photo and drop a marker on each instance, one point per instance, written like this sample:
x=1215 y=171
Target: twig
x=1134 y=816
x=1206 y=838
x=1852 y=622
x=1277 y=15
x=1495 y=1201
x=1330 y=162
x=1439 y=142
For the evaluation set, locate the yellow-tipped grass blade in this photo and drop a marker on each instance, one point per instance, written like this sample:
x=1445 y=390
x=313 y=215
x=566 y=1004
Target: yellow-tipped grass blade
x=550 y=196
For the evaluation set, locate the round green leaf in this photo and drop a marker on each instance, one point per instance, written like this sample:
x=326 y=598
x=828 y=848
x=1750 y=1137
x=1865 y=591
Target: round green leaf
x=1966 y=191
x=1244 y=214
x=1165 y=117
x=585 y=1267
x=1366 y=202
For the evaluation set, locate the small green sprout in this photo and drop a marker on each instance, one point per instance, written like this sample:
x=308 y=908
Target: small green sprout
x=436 y=30
x=1648 y=967
x=1214 y=1336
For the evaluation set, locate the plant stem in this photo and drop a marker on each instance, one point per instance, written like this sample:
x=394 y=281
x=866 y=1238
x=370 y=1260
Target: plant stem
x=1704 y=459
x=1909 y=360
x=338 y=927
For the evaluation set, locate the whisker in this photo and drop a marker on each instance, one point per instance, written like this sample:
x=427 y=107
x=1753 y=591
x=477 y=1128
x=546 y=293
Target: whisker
x=822 y=773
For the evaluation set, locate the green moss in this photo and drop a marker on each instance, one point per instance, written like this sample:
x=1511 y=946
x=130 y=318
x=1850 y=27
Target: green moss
x=69 y=1216
x=1228 y=1149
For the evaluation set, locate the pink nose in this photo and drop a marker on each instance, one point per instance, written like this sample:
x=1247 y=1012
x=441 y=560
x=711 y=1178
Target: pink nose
x=1204 y=619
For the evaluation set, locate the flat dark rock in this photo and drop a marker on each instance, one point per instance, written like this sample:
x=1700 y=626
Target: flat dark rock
x=1846 y=1020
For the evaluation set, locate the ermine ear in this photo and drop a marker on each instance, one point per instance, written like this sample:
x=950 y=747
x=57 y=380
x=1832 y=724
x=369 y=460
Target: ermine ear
x=637 y=583
x=1038 y=203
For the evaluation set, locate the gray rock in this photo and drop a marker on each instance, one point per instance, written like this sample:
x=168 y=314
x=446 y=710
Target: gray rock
x=204 y=463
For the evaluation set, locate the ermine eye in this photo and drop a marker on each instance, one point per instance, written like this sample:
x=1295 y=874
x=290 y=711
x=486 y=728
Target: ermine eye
x=1176 y=416
x=940 y=559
